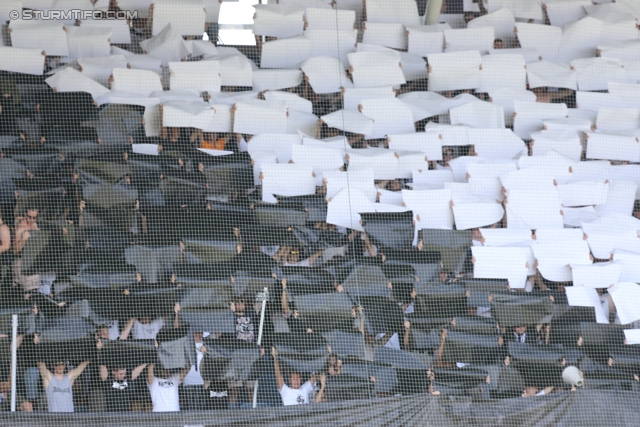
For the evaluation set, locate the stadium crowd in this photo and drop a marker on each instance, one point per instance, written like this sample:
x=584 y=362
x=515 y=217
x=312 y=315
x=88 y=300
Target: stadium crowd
x=229 y=241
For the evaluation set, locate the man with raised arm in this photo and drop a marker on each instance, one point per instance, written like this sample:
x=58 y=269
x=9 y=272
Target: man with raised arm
x=58 y=386
x=295 y=393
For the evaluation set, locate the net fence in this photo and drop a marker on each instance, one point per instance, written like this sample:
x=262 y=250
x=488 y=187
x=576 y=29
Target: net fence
x=356 y=212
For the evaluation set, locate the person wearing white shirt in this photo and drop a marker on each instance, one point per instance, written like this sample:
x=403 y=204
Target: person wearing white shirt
x=295 y=393
x=164 y=388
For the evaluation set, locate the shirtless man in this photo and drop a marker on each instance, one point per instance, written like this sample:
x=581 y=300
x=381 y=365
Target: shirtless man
x=23 y=231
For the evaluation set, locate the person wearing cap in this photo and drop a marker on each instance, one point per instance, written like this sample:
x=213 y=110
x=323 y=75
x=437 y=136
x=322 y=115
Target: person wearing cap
x=118 y=391
x=58 y=385
x=296 y=393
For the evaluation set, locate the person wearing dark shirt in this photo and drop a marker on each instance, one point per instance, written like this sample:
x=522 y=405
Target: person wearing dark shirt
x=118 y=390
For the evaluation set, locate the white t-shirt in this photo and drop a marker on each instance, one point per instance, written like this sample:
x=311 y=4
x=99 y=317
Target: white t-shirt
x=148 y=331
x=164 y=394
x=296 y=397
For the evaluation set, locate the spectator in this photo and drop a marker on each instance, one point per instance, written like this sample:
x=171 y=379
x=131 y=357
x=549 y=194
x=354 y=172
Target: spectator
x=58 y=385
x=295 y=393
x=25 y=226
x=118 y=390
x=164 y=388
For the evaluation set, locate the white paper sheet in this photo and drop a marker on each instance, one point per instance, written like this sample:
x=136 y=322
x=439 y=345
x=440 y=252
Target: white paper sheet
x=632 y=336
x=141 y=82
x=409 y=161
x=426 y=39
x=473 y=215
x=400 y=11
x=597 y=73
x=523 y=9
x=462 y=40
x=618 y=120
x=281 y=144
x=383 y=162
x=435 y=179
x=372 y=69
x=212 y=10
x=88 y=41
x=339 y=143
x=608 y=234
x=625 y=50
x=478 y=114
x=613 y=147
x=325 y=74
x=235 y=69
x=141 y=6
x=428 y=144
x=502 y=21
x=336 y=44
x=197 y=114
x=148 y=149
x=574 y=217
x=17 y=60
x=275 y=79
x=564 y=142
x=551 y=74
x=260 y=158
x=460 y=166
x=431 y=208
x=630 y=263
x=48 y=36
x=561 y=13
x=187 y=17
x=293 y=101
x=507 y=97
x=281 y=21
x=533 y=210
x=273 y=117
x=619 y=88
x=529 y=116
x=620 y=199
x=507 y=237
x=547 y=168
x=387 y=197
x=495 y=143
x=580 y=39
x=583 y=193
x=391 y=35
x=625 y=296
x=195 y=77
x=552 y=235
x=595 y=100
x=139 y=62
x=71 y=80
x=120 y=31
x=355 y=180
x=546 y=39
x=389 y=116
x=300 y=121
x=580 y=296
x=503 y=72
x=454 y=71
x=502 y=263
x=286 y=180
x=8 y=6
x=286 y=53
x=598 y=275
x=449 y=135
x=350 y=121
x=100 y=69
x=168 y=45
x=554 y=258
x=319 y=159
x=353 y=97
x=329 y=19
x=484 y=178
x=344 y=209
x=152 y=120
x=629 y=173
